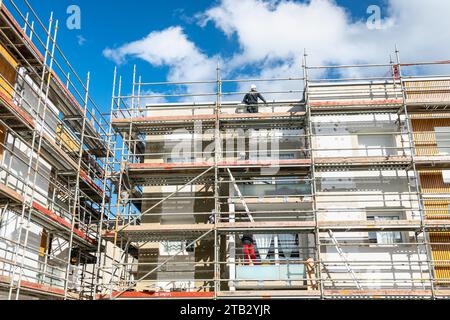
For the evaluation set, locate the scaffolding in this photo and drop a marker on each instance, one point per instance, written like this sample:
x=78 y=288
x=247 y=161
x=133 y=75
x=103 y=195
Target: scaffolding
x=341 y=179
x=331 y=218
x=53 y=170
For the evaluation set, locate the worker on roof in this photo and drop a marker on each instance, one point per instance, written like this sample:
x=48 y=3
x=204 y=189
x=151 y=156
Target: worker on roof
x=251 y=100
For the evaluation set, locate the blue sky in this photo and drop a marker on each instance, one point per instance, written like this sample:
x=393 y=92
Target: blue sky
x=112 y=24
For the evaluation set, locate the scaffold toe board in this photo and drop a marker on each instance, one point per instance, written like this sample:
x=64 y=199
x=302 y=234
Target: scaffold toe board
x=39 y=289
x=53 y=221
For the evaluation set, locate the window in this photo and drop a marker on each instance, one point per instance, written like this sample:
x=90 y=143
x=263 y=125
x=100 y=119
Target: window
x=337 y=184
x=384 y=237
x=443 y=140
x=376 y=145
x=181 y=160
x=446 y=176
x=288 y=186
x=287 y=156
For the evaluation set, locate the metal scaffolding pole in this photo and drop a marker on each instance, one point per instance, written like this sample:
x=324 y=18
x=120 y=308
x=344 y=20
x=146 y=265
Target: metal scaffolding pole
x=37 y=133
x=108 y=173
x=310 y=133
x=423 y=228
x=76 y=200
x=217 y=159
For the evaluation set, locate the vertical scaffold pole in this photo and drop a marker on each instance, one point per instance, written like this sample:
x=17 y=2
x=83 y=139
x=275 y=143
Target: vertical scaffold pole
x=309 y=128
x=37 y=135
x=423 y=228
x=108 y=171
x=77 y=203
x=217 y=157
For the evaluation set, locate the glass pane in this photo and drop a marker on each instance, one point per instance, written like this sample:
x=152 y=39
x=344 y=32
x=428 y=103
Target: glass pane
x=443 y=139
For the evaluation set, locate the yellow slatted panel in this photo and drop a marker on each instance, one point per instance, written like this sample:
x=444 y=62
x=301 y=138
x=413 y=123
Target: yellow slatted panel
x=429 y=115
x=8 y=70
x=67 y=141
x=432 y=182
x=428 y=91
x=440 y=248
x=424 y=135
x=436 y=209
x=43 y=245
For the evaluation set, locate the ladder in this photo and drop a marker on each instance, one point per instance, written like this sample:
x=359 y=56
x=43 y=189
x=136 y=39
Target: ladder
x=241 y=197
x=344 y=258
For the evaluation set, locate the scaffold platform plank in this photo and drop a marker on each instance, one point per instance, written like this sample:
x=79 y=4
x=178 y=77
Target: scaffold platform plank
x=159 y=232
x=29 y=51
x=159 y=295
x=387 y=293
x=13 y=115
x=269 y=294
x=56 y=155
x=8 y=194
x=435 y=162
x=89 y=187
x=356 y=103
x=292 y=226
x=142 y=168
x=39 y=289
x=363 y=161
x=283 y=294
x=150 y=122
x=334 y=294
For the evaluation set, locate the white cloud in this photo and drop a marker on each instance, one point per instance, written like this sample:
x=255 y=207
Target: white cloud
x=282 y=29
x=171 y=47
x=168 y=47
x=272 y=35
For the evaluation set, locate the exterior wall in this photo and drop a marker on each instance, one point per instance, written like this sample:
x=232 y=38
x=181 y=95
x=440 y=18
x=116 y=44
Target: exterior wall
x=38 y=266
x=341 y=195
x=357 y=136
x=188 y=210
x=46 y=256
x=425 y=135
x=434 y=189
x=32 y=101
x=355 y=194
x=15 y=161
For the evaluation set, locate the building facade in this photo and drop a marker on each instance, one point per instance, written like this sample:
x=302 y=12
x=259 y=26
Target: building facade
x=342 y=189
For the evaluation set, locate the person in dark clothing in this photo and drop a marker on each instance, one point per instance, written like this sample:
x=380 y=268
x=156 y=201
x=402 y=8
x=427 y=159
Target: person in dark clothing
x=251 y=100
x=248 y=246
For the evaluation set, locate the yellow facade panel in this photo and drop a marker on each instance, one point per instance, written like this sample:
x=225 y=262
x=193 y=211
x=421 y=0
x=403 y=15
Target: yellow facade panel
x=8 y=71
x=432 y=182
x=440 y=248
x=66 y=140
x=427 y=91
x=425 y=136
